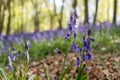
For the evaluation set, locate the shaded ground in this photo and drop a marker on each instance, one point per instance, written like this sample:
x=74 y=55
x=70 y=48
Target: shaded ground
x=104 y=67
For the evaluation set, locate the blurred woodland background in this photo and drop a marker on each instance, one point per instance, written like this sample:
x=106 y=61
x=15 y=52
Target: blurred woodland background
x=19 y=16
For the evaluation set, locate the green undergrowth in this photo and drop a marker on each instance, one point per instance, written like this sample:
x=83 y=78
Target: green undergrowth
x=107 y=42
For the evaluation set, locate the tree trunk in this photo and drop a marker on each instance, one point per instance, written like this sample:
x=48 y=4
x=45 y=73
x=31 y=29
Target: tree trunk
x=86 y=11
x=74 y=5
x=36 y=17
x=2 y=15
x=61 y=16
x=55 y=13
x=36 y=22
x=9 y=18
x=22 y=24
x=96 y=11
x=115 y=11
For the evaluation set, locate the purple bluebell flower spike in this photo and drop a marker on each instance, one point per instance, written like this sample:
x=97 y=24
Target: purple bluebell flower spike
x=77 y=61
x=75 y=14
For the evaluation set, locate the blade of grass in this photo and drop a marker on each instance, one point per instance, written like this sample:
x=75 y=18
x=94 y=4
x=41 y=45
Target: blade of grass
x=47 y=73
x=4 y=74
x=80 y=73
x=64 y=72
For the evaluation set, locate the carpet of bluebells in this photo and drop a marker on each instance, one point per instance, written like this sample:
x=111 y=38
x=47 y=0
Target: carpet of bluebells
x=80 y=52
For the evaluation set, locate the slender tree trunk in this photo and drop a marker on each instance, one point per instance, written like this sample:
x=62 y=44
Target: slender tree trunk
x=55 y=13
x=74 y=5
x=51 y=15
x=36 y=22
x=115 y=11
x=86 y=11
x=9 y=18
x=96 y=11
x=36 y=17
x=2 y=15
x=61 y=16
x=22 y=24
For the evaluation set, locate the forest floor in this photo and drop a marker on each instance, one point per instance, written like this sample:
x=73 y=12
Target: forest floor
x=104 y=67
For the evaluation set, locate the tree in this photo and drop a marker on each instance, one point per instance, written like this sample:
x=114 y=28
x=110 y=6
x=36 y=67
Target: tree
x=2 y=15
x=61 y=15
x=96 y=11
x=74 y=4
x=115 y=11
x=52 y=14
x=22 y=24
x=36 y=16
x=86 y=11
x=9 y=17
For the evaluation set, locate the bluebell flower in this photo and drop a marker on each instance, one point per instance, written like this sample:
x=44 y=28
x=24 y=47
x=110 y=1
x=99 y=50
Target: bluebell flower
x=74 y=45
x=89 y=56
x=85 y=47
x=67 y=36
x=75 y=15
x=11 y=55
x=83 y=57
x=10 y=68
x=78 y=61
x=74 y=21
x=71 y=19
x=58 y=51
x=89 y=32
x=78 y=49
x=70 y=27
x=88 y=46
x=25 y=54
x=74 y=35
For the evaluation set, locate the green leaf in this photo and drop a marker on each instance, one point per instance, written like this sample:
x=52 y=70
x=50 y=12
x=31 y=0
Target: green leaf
x=20 y=77
x=64 y=72
x=32 y=77
x=28 y=58
x=85 y=77
x=37 y=77
x=80 y=73
x=4 y=74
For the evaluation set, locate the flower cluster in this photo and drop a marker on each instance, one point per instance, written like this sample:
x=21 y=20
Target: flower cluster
x=71 y=26
x=12 y=57
x=87 y=38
